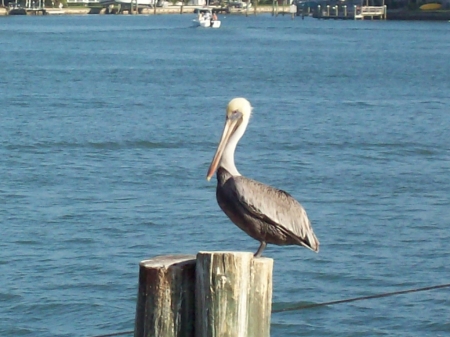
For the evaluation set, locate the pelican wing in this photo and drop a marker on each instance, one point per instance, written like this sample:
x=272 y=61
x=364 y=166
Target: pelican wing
x=277 y=208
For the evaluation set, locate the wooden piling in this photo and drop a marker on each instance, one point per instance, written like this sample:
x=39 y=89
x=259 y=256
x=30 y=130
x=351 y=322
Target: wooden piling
x=260 y=297
x=233 y=295
x=165 y=303
x=218 y=294
x=274 y=5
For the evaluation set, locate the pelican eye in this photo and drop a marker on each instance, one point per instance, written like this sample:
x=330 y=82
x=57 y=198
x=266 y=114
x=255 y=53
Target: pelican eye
x=236 y=114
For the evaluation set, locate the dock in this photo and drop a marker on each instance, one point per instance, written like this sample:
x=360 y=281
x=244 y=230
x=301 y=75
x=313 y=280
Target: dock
x=379 y=12
x=350 y=11
x=32 y=7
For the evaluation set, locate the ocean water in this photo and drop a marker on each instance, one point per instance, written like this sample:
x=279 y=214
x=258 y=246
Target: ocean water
x=108 y=126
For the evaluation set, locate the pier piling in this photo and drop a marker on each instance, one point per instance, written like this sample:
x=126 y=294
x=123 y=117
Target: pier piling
x=165 y=301
x=233 y=295
x=226 y=294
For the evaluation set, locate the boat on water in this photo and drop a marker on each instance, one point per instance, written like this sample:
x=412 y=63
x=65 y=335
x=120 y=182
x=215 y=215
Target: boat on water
x=206 y=18
x=16 y=9
x=430 y=7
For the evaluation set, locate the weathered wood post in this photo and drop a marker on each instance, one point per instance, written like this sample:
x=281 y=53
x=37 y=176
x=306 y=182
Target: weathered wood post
x=233 y=295
x=219 y=294
x=273 y=7
x=165 y=303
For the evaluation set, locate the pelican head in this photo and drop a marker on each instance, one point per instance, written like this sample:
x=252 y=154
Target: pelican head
x=236 y=120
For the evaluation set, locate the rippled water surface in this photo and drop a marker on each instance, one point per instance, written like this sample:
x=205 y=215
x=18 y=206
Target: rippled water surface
x=108 y=125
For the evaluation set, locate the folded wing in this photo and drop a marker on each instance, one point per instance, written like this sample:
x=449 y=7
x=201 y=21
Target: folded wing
x=275 y=207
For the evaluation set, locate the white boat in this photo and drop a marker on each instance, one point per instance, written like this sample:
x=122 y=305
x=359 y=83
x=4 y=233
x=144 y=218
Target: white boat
x=205 y=18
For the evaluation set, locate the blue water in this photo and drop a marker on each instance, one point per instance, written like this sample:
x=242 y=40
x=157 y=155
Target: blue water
x=108 y=125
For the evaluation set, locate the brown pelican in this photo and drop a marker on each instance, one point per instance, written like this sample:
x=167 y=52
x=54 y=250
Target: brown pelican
x=267 y=214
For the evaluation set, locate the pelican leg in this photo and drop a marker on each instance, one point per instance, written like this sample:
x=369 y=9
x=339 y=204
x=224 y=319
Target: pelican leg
x=260 y=249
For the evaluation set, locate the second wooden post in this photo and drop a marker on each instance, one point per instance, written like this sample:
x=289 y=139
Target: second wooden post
x=233 y=294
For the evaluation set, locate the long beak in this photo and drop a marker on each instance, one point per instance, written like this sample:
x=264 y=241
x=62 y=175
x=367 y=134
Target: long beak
x=230 y=127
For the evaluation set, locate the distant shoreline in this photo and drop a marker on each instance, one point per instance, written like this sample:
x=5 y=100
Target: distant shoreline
x=392 y=15
x=148 y=11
